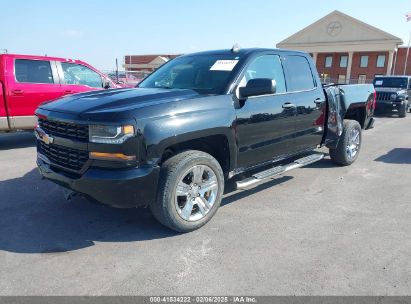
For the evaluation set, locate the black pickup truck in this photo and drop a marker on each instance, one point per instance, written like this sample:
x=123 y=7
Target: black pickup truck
x=200 y=119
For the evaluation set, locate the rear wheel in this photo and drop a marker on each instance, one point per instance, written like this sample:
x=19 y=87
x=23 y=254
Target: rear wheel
x=349 y=144
x=190 y=191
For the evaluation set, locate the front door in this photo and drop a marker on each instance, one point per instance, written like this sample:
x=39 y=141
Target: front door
x=265 y=125
x=77 y=78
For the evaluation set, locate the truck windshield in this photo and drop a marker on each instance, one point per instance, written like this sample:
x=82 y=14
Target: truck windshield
x=205 y=74
x=391 y=82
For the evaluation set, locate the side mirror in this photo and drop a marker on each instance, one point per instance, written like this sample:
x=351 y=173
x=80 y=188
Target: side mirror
x=106 y=84
x=257 y=87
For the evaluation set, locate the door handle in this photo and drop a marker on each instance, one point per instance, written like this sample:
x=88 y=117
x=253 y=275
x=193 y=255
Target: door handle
x=17 y=92
x=68 y=92
x=288 y=105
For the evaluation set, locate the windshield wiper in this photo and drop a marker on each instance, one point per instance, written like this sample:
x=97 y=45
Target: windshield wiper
x=165 y=87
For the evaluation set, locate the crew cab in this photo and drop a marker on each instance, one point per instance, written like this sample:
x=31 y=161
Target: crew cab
x=27 y=81
x=393 y=94
x=197 y=121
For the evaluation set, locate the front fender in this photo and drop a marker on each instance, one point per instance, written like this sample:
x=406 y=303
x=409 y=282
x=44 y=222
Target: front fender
x=185 y=125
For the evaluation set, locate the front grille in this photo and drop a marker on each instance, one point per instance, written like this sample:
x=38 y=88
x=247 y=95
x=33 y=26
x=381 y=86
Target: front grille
x=64 y=157
x=64 y=129
x=384 y=96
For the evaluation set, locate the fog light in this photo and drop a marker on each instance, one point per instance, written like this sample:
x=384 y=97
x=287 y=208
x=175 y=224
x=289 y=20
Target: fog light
x=111 y=156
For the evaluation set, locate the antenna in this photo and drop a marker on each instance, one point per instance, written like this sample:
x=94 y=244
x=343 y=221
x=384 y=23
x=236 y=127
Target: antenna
x=235 y=48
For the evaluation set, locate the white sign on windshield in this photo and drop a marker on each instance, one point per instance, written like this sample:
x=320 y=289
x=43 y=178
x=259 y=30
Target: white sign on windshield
x=224 y=65
x=378 y=83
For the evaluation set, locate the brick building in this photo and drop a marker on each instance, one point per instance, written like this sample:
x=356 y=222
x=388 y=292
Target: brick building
x=142 y=65
x=347 y=50
x=399 y=62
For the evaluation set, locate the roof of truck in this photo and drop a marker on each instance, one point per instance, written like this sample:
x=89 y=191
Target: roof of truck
x=37 y=57
x=394 y=76
x=246 y=51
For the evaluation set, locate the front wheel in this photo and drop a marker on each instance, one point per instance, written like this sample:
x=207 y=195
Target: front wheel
x=190 y=191
x=349 y=144
x=402 y=111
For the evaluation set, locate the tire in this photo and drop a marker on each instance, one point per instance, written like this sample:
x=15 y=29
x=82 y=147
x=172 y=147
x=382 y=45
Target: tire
x=172 y=207
x=343 y=155
x=402 y=111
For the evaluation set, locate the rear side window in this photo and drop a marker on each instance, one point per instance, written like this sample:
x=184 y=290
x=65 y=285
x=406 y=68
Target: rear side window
x=299 y=75
x=80 y=75
x=266 y=66
x=33 y=71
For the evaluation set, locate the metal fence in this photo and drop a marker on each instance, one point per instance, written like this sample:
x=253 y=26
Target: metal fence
x=343 y=80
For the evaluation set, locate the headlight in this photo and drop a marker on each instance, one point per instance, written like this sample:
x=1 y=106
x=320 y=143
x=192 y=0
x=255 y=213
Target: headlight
x=393 y=96
x=110 y=134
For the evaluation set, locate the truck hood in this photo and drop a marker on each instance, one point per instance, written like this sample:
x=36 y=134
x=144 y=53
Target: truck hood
x=117 y=100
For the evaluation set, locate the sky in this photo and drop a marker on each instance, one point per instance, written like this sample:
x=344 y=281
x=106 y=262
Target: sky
x=98 y=32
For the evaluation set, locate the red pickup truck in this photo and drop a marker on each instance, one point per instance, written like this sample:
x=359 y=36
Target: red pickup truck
x=27 y=81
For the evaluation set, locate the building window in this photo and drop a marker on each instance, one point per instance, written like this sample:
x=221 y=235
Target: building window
x=341 y=79
x=362 y=79
x=343 y=61
x=328 y=61
x=364 y=62
x=380 y=61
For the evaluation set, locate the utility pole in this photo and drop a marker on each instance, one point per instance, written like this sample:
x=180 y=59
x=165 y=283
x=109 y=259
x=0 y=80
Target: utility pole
x=117 y=70
x=406 y=56
x=408 y=17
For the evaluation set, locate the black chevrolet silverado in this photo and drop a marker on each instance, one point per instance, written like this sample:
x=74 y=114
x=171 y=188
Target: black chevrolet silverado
x=200 y=119
x=393 y=94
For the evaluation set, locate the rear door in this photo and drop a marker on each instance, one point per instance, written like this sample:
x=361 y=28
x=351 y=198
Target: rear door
x=306 y=94
x=264 y=124
x=77 y=78
x=30 y=83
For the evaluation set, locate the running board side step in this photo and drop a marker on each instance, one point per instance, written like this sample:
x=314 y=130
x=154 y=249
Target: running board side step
x=263 y=176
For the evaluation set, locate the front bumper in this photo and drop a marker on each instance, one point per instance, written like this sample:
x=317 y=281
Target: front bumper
x=388 y=103
x=123 y=188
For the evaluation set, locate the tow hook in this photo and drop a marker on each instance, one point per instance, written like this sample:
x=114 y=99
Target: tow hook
x=69 y=194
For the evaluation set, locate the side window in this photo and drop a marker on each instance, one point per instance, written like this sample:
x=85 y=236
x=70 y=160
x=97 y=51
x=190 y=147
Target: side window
x=266 y=66
x=299 y=74
x=33 y=71
x=80 y=75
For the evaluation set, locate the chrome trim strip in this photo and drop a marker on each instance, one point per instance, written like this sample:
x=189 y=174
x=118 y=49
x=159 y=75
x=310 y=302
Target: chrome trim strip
x=23 y=122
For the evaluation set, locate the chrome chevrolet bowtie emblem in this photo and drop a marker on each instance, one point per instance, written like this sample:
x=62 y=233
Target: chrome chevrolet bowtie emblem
x=43 y=136
x=47 y=139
